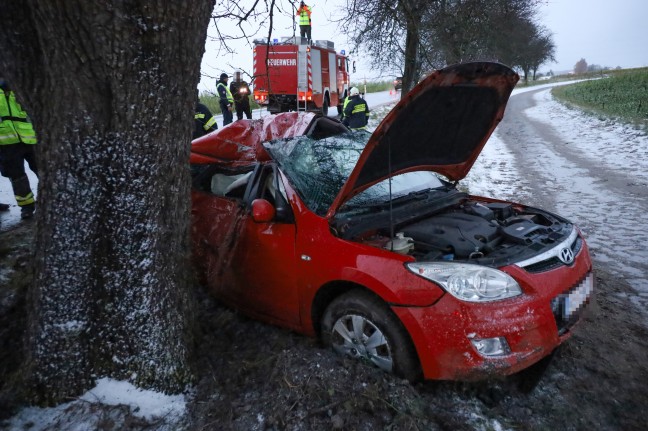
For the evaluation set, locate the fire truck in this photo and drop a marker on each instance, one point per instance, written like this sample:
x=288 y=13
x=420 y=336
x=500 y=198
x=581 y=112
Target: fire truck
x=293 y=75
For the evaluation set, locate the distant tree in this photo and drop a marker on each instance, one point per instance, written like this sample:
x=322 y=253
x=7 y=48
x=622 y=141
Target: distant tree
x=580 y=67
x=111 y=89
x=540 y=50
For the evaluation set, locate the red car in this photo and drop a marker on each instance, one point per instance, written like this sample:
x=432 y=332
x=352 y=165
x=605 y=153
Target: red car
x=366 y=241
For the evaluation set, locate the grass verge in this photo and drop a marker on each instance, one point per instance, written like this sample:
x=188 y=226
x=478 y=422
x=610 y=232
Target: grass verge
x=622 y=94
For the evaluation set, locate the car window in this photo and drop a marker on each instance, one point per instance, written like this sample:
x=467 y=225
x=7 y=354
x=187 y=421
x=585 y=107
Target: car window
x=213 y=179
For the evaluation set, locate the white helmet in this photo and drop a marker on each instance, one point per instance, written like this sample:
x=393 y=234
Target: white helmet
x=354 y=91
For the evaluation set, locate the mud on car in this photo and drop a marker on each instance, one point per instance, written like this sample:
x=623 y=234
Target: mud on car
x=365 y=240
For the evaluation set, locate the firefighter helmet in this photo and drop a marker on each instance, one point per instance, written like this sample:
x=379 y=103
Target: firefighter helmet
x=354 y=91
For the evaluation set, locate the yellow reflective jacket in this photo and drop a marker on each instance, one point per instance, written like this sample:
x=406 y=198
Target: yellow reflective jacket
x=15 y=126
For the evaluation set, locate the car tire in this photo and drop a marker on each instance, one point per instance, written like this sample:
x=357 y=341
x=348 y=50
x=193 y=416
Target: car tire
x=383 y=342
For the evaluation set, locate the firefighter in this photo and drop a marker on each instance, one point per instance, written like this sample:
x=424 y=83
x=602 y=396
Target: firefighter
x=17 y=141
x=204 y=121
x=226 y=99
x=304 y=14
x=241 y=92
x=344 y=105
x=356 y=111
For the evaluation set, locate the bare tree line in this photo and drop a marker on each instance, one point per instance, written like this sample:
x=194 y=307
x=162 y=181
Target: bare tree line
x=413 y=37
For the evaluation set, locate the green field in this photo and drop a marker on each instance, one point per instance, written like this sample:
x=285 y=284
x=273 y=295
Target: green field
x=211 y=101
x=621 y=93
x=374 y=87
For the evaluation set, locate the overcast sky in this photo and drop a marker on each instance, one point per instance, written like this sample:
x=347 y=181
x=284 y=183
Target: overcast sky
x=605 y=32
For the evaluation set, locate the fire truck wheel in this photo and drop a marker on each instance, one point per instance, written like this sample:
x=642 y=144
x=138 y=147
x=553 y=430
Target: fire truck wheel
x=325 y=106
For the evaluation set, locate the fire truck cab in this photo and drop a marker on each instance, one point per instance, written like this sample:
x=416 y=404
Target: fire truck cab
x=293 y=75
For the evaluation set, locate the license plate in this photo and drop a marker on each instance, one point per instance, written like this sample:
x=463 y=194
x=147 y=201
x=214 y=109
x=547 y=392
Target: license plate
x=575 y=299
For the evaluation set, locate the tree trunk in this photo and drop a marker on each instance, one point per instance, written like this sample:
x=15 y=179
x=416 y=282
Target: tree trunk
x=412 y=40
x=111 y=88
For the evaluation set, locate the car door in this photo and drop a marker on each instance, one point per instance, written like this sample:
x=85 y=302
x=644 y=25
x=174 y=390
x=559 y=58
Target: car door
x=216 y=220
x=264 y=281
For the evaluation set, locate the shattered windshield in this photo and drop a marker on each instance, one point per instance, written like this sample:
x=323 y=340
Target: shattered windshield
x=318 y=169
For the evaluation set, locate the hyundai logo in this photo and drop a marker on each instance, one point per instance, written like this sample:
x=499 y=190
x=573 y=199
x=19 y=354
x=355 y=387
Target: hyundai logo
x=566 y=256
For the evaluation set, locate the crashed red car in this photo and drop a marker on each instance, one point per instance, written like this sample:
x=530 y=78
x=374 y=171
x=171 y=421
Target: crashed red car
x=366 y=241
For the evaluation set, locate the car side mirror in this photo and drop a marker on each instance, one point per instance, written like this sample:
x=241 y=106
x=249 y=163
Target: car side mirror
x=354 y=68
x=262 y=211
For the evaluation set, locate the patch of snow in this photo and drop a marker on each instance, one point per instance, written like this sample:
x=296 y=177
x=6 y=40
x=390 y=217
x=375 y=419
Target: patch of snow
x=144 y=403
x=87 y=412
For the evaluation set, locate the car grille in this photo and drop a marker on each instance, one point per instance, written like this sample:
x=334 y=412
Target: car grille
x=554 y=262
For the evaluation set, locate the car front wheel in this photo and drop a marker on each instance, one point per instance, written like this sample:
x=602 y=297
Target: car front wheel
x=360 y=325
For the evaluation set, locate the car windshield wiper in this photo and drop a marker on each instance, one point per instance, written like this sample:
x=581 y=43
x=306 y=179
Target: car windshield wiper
x=413 y=196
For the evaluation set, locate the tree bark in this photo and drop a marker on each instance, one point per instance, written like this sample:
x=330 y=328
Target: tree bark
x=412 y=41
x=111 y=89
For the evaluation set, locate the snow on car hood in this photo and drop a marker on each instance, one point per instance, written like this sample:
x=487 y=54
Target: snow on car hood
x=441 y=125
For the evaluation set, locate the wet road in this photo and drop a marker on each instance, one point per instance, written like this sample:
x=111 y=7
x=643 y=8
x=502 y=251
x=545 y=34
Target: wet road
x=591 y=170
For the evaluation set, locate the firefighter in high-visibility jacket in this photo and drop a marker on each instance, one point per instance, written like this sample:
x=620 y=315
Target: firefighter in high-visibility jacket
x=204 y=121
x=17 y=142
x=226 y=99
x=304 y=14
x=356 y=111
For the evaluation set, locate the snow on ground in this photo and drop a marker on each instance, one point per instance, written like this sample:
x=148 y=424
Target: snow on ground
x=165 y=412
x=619 y=145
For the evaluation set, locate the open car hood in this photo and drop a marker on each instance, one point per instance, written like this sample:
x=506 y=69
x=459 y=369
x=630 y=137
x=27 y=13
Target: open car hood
x=441 y=125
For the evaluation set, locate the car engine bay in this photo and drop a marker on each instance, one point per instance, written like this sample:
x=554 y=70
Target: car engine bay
x=488 y=233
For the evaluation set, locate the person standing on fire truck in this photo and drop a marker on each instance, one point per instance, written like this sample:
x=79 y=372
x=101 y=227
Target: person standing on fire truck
x=304 y=14
x=241 y=92
x=356 y=112
x=226 y=100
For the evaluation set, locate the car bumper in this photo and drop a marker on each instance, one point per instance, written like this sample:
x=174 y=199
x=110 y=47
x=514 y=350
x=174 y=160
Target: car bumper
x=530 y=324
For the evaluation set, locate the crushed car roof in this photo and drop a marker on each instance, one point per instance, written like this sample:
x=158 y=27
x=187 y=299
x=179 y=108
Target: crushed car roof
x=240 y=143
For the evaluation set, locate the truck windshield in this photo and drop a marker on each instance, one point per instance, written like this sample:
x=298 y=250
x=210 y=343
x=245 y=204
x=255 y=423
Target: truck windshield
x=318 y=169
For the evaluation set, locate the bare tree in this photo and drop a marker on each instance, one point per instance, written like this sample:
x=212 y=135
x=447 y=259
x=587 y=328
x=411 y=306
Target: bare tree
x=389 y=32
x=580 y=66
x=111 y=88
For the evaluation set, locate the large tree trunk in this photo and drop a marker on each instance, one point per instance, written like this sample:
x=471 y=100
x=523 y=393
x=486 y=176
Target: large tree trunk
x=111 y=87
x=412 y=40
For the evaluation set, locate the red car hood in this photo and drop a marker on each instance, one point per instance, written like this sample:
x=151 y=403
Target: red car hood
x=441 y=125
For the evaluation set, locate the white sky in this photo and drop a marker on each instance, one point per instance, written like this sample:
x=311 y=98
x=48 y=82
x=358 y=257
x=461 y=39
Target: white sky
x=608 y=33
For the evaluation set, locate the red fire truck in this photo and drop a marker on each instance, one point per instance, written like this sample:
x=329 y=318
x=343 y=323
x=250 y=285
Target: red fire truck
x=293 y=75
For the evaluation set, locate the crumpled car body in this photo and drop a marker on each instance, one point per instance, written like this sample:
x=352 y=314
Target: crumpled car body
x=366 y=241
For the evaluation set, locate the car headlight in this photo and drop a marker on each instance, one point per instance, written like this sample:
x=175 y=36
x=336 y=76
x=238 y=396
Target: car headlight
x=473 y=283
